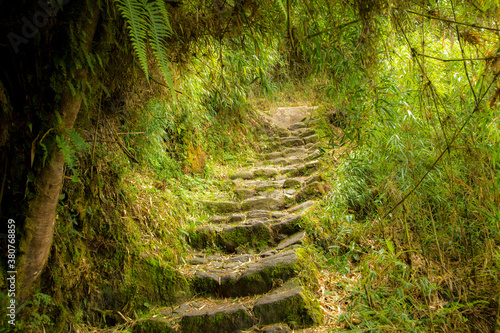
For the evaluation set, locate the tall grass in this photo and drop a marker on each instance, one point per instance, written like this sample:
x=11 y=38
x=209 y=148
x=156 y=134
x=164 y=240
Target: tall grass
x=420 y=191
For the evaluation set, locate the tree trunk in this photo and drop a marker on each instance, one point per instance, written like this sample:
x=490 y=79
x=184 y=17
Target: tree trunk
x=41 y=215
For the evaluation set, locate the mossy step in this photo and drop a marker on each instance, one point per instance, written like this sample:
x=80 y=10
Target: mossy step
x=295 y=239
x=257 y=235
x=293 y=306
x=311 y=139
x=265 y=172
x=262 y=203
x=153 y=325
x=288 y=306
x=297 y=126
x=305 y=132
x=287 y=142
x=247 y=275
x=264 y=215
x=282 y=182
x=312 y=190
x=256 y=232
x=221 y=206
x=218 y=318
x=288 y=152
x=299 y=169
x=277 y=328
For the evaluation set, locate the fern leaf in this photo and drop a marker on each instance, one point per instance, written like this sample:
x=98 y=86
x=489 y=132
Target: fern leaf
x=134 y=13
x=81 y=146
x=283 y=8
x=159 y=30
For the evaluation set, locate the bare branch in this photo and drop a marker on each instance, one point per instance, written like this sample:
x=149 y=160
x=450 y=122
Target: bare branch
x=456 y=59
x=452 y=21
x=340 y=26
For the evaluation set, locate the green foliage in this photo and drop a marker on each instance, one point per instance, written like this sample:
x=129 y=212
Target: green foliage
x=147 y=22
x=421 y=184
x=72 y=147
x=39 y=314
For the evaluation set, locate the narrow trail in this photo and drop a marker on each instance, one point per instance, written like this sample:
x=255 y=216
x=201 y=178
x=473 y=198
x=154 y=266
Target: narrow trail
x=265 y=279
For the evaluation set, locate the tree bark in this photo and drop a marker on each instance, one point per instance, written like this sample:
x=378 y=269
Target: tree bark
x=41 y=215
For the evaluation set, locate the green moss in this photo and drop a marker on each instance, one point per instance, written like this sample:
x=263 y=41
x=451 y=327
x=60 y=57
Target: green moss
x=307 y=268
x=204 y=286
x=233 y=321
x=153 y=281
x=152 y=325
x=258 y=236
x=203 y=237
x=299 y=311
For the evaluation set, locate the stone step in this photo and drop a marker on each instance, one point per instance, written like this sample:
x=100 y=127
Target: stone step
x=246 y=275
x=302 y=207
x=222 y=206
x=306 y=132
x=312 y=190
x=290 y=306
x=311 y=139
x=299 y=169
x=297 y=126
x=257 y=232
x=217 y=318
x=248 y=216
x=257 y=235
x=153 y=325
x=265 y=172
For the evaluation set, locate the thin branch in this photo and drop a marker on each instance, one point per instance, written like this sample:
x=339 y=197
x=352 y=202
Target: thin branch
x=452 y=21
x=162 y=84
x=456 y=59
x=448 y=147
x=130 y=133
x=341 y=26
x=463 y=54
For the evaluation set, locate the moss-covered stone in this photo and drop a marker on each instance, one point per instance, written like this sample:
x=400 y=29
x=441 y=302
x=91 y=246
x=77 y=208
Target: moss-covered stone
x=265 y=172
x=261 y=203
x=203 y=237
x=291 y=306
x=152 y=325
x=273 y=155
x=290 y=226
x=244 y=193
x=312 y=190
x=153 y=281
x=222 y=206
x=292 y=142
x=242 y=175
x=291 y=183
x=311 y=139
x=262 y=276
x=256 y=235
x=227 y=318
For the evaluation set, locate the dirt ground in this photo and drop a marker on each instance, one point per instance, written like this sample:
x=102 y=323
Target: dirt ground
x=286 y=116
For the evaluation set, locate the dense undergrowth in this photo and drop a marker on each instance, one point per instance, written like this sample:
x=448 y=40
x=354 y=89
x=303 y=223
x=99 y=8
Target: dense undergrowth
x=414 y=213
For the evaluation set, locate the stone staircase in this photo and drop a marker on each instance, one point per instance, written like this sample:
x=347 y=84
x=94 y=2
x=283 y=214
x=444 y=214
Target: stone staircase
x=253 y=270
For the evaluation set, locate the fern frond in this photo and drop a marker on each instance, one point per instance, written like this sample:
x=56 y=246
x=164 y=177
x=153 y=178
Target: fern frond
x=159 y=30
x=81 y=146
x=283 y=8
x=134 y=13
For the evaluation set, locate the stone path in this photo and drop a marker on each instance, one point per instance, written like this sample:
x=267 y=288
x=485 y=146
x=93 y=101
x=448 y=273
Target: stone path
x=253 y=270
